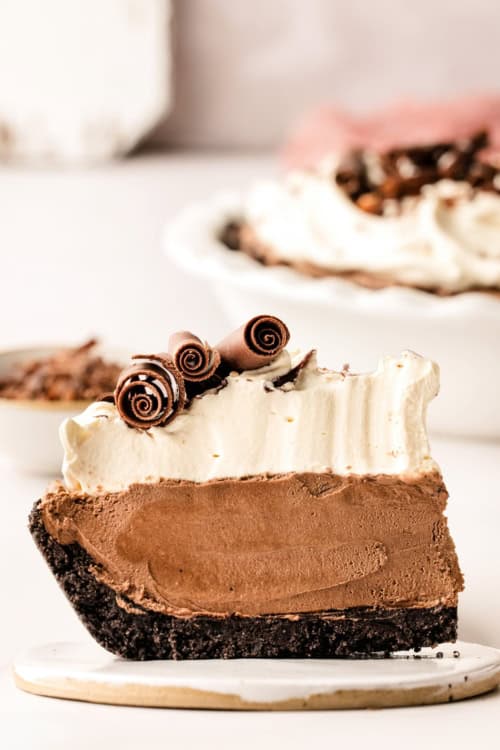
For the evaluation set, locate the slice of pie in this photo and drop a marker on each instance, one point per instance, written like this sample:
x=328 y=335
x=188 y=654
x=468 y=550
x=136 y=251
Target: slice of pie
x=238 y=501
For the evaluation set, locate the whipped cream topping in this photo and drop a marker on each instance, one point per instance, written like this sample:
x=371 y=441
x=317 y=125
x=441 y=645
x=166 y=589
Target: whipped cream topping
x=371 y=423
x=447 y=238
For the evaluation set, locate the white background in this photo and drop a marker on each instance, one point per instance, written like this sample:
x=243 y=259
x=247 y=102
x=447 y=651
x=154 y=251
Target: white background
x=80 y=254
x=243 y=71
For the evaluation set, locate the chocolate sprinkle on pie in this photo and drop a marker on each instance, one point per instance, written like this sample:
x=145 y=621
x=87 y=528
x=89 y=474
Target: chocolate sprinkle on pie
x=196 y=360
x=292 y=375
x=370 y=179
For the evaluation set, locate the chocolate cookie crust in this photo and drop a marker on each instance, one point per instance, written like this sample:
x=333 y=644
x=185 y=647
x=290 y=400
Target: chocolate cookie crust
x=132 y=632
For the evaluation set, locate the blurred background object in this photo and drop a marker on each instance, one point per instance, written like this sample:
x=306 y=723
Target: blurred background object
x=38 y=389
x=328 y=129
x=81 y=81
x=89 y=80
x=243 y=71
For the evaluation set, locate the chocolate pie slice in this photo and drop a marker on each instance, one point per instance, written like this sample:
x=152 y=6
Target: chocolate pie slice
x=238 y=501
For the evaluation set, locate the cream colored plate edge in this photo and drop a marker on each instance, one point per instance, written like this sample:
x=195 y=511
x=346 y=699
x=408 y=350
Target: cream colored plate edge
x=88 y=673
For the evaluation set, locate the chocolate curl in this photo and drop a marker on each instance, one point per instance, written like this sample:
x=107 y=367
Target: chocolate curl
x=150 y=393
x=195 y=360
x=255 y=344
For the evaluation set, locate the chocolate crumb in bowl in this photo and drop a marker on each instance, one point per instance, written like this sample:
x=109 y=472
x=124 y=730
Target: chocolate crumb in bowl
x=76 y=374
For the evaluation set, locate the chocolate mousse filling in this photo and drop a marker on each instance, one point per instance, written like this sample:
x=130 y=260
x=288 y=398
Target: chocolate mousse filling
x=289 y=565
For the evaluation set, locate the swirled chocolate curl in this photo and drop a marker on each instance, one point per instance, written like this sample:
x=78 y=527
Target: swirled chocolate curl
x=150 y=393
x=195 y=359
x=254 y=344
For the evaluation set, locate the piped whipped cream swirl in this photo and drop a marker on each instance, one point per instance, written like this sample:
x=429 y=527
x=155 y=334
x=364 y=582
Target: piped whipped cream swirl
x=445 y=239
x=371 y=423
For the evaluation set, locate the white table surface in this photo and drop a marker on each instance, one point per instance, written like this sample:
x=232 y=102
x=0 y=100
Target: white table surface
x=80 y=254
x=81 y=251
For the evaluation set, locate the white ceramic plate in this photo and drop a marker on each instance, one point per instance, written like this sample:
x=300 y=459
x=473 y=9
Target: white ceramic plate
x=87 y=672
x=348 y=323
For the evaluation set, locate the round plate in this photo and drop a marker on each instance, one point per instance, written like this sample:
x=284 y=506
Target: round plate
x=88 y=673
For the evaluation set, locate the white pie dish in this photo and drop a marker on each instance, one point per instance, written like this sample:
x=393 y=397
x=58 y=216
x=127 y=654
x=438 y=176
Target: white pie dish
x=29 y=428
x=348 y=323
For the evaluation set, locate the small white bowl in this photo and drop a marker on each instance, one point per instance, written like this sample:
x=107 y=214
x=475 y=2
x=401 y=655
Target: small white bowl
x=29 y=429
x=348 y=323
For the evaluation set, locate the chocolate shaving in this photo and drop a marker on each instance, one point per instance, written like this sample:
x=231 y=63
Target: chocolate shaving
x=150 y=393
x=196 y=390
x=292 y=375
x=230 y=235
x=109 y=398
x=370 y=179
x=195 y=360
x=68 y=375
x=254 y=344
